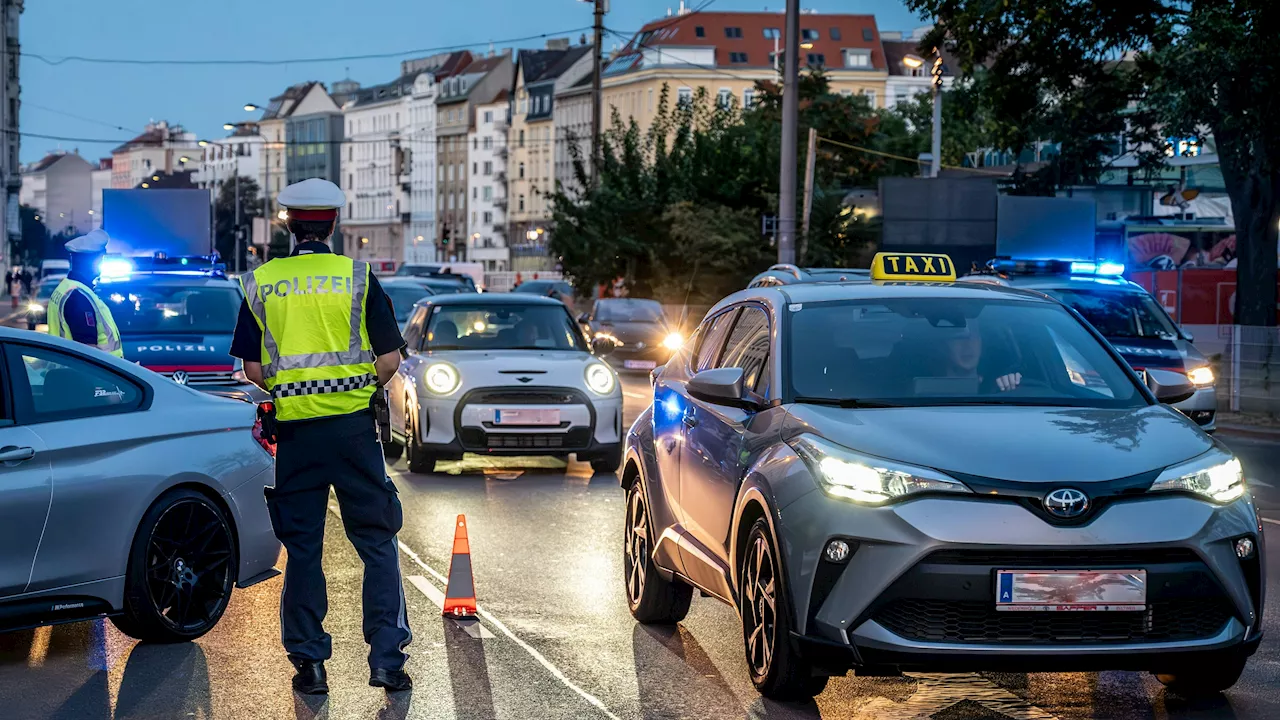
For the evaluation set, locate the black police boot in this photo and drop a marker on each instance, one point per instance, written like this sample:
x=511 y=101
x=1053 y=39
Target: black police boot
x=392 y=680
x=310 y=678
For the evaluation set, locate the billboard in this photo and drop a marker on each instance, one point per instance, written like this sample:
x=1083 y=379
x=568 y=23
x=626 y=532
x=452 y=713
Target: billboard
x=146 y=222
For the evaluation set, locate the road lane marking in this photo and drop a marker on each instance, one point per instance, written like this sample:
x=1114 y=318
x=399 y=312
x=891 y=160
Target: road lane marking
x=495 y=622
x=1269 y=520
x=432 y=592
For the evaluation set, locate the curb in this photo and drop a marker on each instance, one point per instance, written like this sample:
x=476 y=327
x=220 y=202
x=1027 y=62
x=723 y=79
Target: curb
x=1249 y=431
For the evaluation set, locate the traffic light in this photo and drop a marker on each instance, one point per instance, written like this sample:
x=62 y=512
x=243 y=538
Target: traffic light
x=444 y=234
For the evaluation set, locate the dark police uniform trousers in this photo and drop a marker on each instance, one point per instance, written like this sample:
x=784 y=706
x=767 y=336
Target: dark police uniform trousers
x=343 y=453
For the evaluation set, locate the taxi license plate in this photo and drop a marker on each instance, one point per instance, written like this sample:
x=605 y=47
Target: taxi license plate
x=526 y=416
x=1071 y=590
x=639 y=364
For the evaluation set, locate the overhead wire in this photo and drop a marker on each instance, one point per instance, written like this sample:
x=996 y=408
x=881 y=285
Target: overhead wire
x=904 y=158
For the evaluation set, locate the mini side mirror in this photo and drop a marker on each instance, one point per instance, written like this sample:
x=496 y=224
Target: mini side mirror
x=721 y=386
x=1169 y=387
x=602 y=346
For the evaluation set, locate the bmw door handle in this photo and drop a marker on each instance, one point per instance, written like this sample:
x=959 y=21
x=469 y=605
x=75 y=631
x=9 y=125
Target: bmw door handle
x=12 y=454
x=690 y=421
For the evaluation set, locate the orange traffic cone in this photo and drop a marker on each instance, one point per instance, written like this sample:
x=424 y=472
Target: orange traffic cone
x=460 y=595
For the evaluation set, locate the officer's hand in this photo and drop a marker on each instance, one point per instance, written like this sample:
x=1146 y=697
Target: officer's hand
x=1009 y=382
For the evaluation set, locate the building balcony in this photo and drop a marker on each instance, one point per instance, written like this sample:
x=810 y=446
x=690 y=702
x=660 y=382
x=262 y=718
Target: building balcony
x=501 y=123
x=500 y=202
x=500 y=177
x=406 y=218
x=500 y=150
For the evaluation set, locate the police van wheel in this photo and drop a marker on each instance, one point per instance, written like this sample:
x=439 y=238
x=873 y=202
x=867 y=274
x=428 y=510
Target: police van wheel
x=1204 y=680
x=778 y=669
x=418 y=460
x=652 y=599
x=182 y=568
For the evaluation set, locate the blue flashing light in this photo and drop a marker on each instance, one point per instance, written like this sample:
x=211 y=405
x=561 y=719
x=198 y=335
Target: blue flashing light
x=115 y=268
x=1110 y=268
x=1083 y=268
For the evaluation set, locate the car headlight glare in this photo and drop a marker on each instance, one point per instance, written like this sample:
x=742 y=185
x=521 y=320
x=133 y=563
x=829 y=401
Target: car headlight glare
x=35 y=307
x=1215 y=475
x=673 y=341
x=867 y=480
x=442 y=378
x=1201 y=376
x=600 y=378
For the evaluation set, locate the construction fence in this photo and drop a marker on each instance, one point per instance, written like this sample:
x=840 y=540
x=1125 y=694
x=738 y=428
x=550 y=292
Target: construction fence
x=1248 y=369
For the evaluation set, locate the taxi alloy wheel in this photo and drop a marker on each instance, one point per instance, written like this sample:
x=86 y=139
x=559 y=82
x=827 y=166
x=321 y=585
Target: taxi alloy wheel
x=181 y=570
x=760 y=607
x=652 y=599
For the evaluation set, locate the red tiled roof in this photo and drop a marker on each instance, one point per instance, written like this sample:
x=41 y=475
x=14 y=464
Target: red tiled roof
x=834 y=34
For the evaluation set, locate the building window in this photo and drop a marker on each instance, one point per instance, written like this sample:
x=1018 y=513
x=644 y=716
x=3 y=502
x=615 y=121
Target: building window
x=817 y=59
x=835 y=33
x=487 y=195
x=521 y=171
x=809 y=34
x=684 y=97
x=871 y=96
x=488 y=116
x=748 y=97
x=521 y=138
x=488 y=142
x=733 y=33
x=475 y=194
x=868 y=34
x=351 y=180
x=488 y=216
x=488 y=167
x=699 y=31
x=857 y=58
x=521 y=205
x=738 y=57
x=475 y=168
x=651 y=100
x=724 y=97
x=772 y=33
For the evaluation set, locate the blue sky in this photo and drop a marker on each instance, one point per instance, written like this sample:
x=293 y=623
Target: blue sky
x=114 y=102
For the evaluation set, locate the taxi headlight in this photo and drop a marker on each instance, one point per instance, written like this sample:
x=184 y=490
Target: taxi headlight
x=1201 y=376
x=864 y=479
x=1216 y=475
x=600 y=378
x=442 y=378
x=673 y=341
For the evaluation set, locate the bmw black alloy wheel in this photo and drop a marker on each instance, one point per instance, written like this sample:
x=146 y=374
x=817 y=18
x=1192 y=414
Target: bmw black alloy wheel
x=636 y=539
x=189 y=566
x=759 y=607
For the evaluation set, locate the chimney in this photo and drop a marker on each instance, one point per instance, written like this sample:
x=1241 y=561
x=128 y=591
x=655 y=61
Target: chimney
x=582 y=39
x=683 y=9
x=668 y=12
x=557 y=43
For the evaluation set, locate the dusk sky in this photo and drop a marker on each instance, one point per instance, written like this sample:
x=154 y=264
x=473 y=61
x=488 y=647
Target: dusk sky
x=113 y=102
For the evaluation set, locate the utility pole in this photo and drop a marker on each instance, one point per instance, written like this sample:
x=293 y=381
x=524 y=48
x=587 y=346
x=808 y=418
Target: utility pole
x=937 y=114
x=790 y=119
x=236 y=265
x=808 y=190
x=597 y=88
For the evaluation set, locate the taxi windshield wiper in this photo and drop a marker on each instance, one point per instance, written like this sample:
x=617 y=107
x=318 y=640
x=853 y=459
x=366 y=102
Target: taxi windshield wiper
x=844 y=402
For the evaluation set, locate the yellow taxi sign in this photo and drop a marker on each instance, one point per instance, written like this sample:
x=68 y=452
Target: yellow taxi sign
x=912 y=266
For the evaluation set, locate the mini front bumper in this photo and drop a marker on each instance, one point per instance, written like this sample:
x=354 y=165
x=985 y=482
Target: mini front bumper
x=939 y=555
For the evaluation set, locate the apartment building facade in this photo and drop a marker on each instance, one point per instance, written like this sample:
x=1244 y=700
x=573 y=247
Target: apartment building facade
x=573 y=112
x=10 y=105
x=372 y=165
x=59 y=187
x=487 y=222
x=237 y=155
x=161 y=149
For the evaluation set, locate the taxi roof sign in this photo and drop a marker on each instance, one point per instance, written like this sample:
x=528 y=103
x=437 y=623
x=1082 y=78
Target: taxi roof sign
x=924 y=267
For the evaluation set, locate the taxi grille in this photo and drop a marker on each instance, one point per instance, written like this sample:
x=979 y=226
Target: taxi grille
x=955 y=621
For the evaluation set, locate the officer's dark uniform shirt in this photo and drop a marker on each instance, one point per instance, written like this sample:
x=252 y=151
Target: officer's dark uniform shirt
x=379 y=322
x=79 y=315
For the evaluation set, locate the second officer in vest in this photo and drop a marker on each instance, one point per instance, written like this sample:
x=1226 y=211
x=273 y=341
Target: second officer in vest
x=318 y=333
x=75 y=311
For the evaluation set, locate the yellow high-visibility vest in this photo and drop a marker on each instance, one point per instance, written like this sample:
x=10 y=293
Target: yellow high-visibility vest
x=316 y=357
x=108 y=333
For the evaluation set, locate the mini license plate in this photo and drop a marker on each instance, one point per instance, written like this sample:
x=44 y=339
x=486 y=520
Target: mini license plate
x=639 y=364
x=526 y=416
x=1071 y=590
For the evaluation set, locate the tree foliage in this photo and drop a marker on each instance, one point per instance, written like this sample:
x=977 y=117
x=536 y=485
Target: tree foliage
x=224 y=231
x=1082 y=73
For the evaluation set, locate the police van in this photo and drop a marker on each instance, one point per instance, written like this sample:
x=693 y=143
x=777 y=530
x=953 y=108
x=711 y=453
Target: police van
x=1124 y=313
x=177 y=316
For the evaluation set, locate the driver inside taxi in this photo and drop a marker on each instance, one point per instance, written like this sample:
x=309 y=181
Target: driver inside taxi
x=963 y=354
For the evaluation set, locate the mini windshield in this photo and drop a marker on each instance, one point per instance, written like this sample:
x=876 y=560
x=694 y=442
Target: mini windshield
x=638 y=311
x=175 y=309
x=949 y=351
x=1120 y=314
x=503 y=327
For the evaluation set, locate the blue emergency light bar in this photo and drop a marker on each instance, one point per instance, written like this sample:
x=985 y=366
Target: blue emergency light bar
x=120 y=268
x=1015 y=266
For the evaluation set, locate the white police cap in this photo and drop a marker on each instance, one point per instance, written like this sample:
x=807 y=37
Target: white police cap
x=94 y=241
x=313 y=194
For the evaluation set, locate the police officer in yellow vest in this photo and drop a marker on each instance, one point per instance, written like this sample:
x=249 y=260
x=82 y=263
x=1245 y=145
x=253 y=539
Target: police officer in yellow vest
x=75 y=311
x=318 y=333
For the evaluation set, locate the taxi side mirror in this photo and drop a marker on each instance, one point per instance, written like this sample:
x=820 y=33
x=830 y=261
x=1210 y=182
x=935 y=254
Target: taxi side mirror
x=1169 y=387
x=721 y=386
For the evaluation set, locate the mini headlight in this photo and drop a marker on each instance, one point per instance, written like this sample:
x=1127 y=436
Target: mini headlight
x=673 y=341
x=600 y=378
x=1215 y=475
x=867 y=480
x=442 y=378
x=1201 y=376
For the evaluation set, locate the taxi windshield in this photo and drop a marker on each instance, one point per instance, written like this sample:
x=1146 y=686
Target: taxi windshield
x=1119 y=314
x=140 y=308
x=951 y=351
x=503 y=327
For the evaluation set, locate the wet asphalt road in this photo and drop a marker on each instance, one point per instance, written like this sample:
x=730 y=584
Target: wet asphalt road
x=555 y=639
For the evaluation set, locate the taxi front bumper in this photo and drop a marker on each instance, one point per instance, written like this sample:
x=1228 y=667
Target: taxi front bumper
x=918 y=590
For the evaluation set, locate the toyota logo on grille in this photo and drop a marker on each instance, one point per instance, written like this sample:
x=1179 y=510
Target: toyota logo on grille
x=180 y=377
x=1066 y=503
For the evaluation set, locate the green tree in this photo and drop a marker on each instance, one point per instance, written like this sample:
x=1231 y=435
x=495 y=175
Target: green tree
x=1082 y=73
x=30 y=247
x=224 y=232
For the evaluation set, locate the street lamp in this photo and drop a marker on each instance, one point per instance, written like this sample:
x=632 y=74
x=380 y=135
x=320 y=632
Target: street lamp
x=251 y=107
x=228 y=126
x=915 y=62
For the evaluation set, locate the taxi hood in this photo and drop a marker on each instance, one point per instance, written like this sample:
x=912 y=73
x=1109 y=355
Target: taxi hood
x=1033 y=444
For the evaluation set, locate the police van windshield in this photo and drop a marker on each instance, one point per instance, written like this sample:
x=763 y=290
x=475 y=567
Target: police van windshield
x=949 y=351
x=502 y=327
x=171 y=309
x=1119 y=314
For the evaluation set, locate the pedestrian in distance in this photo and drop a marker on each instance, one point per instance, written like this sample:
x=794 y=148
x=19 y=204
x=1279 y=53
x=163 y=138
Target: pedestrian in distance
x=8 y=281
x=26 y=281
x=75 y=311
x=319 y=334
x=14 y=286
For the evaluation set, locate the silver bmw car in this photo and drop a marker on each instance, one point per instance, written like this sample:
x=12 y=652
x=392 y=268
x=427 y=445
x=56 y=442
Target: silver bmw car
x=937 y=476
x=124 y=494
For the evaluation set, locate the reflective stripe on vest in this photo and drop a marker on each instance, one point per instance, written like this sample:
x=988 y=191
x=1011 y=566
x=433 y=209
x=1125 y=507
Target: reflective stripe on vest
x=312 y=368
x=108 y=333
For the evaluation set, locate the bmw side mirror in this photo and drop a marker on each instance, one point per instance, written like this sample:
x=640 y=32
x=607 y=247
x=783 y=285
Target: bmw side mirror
x=721 y=386
x=1169 y=387
x=584 y=319
x=654 y=374
x=602 y=346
